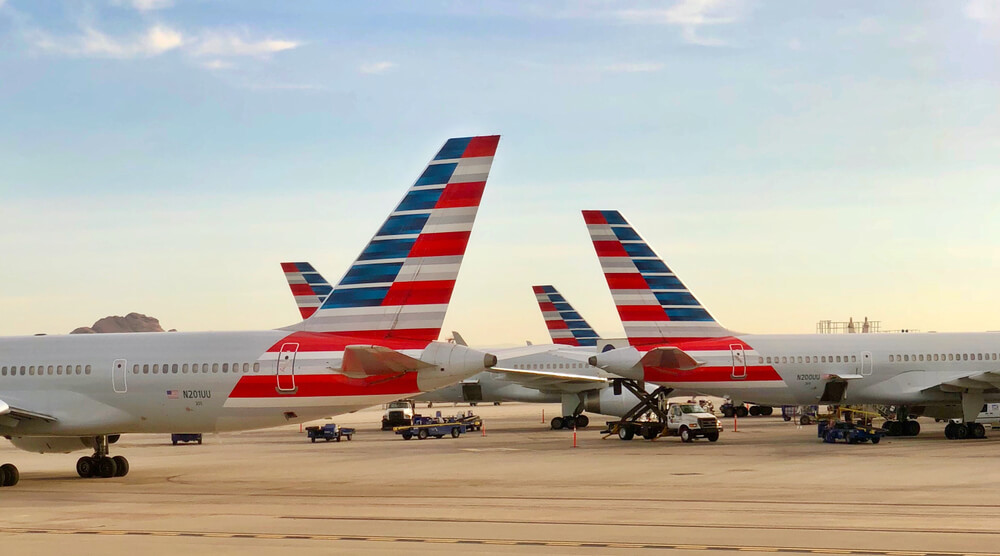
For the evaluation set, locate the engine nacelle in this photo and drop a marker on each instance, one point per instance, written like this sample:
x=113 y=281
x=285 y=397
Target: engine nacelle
x=606 y=402
x=52 y=444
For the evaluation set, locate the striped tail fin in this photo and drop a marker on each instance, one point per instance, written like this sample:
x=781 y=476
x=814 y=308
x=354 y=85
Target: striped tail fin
x=653 y=303
x=401 y=283
x=565 y=325
x=308 y=286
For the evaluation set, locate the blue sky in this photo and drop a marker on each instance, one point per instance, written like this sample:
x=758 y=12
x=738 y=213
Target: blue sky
x=792 y=161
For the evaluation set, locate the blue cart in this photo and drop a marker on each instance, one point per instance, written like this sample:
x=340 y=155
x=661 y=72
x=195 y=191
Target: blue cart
x=328 y=432
x=852 y=433
x=423 y=427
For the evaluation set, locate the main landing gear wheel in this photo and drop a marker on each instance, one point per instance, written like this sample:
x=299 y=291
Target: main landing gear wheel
x=556 y=423
x=9 y=475
x=582 y=421
x=893 y=428
x=961 y=432
x=977 y=430
x=742 y=411
x=727 y=411
x=949 y=431
x=755 y=410
x=766 y=410
x=911 y=428
x=101 y=464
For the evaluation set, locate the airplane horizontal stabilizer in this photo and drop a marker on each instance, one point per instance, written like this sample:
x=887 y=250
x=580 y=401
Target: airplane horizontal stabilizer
x=363 y=361
x=562 y=377
x=667 y=357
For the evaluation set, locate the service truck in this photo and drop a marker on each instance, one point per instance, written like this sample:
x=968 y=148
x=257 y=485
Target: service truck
x=686 y=420
x=398 y=414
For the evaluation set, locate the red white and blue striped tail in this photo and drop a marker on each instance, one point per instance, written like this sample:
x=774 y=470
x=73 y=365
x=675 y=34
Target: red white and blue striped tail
x=565 y=325
x=401 y=283
x=308 y=286
x=653 y=303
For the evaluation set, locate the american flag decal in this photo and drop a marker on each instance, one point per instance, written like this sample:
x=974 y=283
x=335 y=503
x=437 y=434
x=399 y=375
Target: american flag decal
x=173 y=394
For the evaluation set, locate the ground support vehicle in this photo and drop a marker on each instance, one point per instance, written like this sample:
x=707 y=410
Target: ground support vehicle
x=185 y=437
x=852 y=433
x=398 y=414
x=328 y=432
x=729 y=410
x=471 y=422
x=423 y=427
x=650 y=419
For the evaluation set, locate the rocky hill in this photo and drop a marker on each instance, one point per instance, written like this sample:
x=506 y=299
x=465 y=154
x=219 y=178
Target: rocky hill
x=132 y=322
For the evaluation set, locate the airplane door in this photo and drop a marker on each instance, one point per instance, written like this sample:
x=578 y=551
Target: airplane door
x=286 y=368
x=472 y=392
x=118 y=369
x=739 y=361
x=866 y=363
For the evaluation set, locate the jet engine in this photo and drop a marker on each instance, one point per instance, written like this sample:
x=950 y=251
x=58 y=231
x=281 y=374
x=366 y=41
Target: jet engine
x=52 y=444
x=605 y=402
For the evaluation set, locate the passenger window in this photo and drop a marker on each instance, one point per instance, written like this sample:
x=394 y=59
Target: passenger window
x=965 y=356
x=838 y=359
x=994 y=357
x=156 y=369
x=256 y=367
x=979 y=356
x=86 y=370
x=891 y=358
x=246 y=367
x=225 y=367
x=824 y=359
x=135 y=369
x=184 y=368
x=31 y=370
x=768 y=359
x=935 y=357
x=3 y=371
x=215 y=367
x=760 y=360
x=921 y=357
x=906 y=358
x=807 y=359
x=204 y=367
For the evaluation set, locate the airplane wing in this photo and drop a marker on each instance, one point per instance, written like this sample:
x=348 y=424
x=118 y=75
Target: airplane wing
x=550 y=380
x=22 y=414
x=363 y=361
x=983 y=381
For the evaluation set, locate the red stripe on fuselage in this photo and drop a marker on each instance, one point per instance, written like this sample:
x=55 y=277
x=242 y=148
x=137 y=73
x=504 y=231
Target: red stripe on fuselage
x=307 y=386
x=689 y=343
x=710 y=374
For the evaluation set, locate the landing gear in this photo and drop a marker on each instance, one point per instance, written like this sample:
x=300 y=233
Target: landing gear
x=9 y=475
x=742 y=411
x=961 y=431
x=568 y=422
x=898 y=428
x=101 y=464
x=729 y=410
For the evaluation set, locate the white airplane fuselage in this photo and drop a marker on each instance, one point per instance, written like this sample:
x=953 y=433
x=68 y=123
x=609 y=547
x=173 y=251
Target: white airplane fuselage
x=877 y=368
x=119 y=383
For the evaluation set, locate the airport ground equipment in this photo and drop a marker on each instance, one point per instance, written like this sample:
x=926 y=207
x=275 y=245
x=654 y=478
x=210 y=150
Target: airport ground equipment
x=328 y=432
x=398 y=414
x=424 y=427
x=832 y=431
x=650 y=419
x=185 y=437
x=741 y=410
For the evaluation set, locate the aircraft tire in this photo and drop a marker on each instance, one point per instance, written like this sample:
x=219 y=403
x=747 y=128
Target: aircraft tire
x=742 y=411
x=85 y=467
x=949 y=431
x=556 y=423
x=582 y=421
x=961 y=432
x=755 y=411
x=727 y=410
x=977 y=430
x=106 y=468
x=122 y=466
x=766 y=410
x=911 y=428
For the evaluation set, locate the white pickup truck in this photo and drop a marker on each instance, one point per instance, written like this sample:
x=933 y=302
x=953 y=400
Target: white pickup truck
x=398 y=414
x=686 y=420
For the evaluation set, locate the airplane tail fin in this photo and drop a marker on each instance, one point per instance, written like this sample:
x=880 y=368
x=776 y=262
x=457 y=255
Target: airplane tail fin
x=565 y=325
x=401 y=283
x=653 y=303
x=309 y=288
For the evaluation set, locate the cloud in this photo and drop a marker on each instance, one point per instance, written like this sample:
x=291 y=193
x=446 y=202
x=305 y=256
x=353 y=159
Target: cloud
x=145 y=5
x=634 y=67
x=983 y=11
x=689 y=15
x=231 y=43
x=217 y=64
x=376 y=67
x=93 y=43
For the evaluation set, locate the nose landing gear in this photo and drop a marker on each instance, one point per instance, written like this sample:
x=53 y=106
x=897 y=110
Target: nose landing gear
x=101 y=464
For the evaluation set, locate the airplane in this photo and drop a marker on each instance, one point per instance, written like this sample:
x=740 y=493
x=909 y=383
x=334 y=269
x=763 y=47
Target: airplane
x=372 y=340
x=545 y=373
x=675 y=342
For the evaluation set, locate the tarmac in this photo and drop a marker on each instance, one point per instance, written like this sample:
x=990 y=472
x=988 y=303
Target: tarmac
x=771 y=486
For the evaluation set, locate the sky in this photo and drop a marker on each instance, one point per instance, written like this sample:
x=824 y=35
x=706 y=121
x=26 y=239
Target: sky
x=790 y=161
